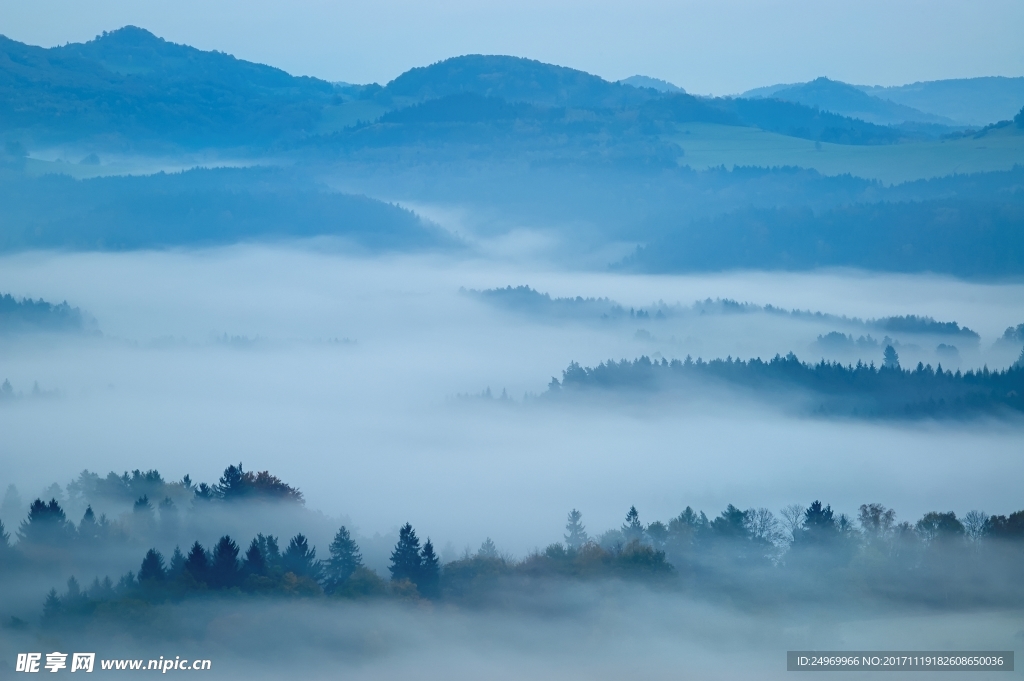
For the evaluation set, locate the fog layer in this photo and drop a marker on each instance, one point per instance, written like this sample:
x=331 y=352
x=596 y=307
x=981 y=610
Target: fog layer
x=341 y=376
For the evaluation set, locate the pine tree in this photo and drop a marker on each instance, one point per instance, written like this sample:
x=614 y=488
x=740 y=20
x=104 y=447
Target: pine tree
x=177 y=565
x=197 y=564
x=152 y=570
x=300 y=559
x=487 y=549
x=51 y=608
x=232 y=484
x=405 y=558
x=890 y=359
x=344 y=560
x=632 y=529
x=87 y=529
x=271 y=553
x=255 y=563
x=225 y=572
x=46 y=525
x=576 y=533
x=429 y=580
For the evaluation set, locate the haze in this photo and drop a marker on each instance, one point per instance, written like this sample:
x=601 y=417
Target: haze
x=708 y=48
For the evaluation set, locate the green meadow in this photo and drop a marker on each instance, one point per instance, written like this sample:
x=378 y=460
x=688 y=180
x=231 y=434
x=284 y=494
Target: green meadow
x=709 y=145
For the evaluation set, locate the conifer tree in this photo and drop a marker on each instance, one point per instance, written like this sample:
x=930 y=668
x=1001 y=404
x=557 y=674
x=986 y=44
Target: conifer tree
x=255 y=563
x=429 y=580
x=224 y=568
x=46 y=525
x=405 y=558
x=51 y=608
x=575 y=532
x=487 y=549
x=343 y=561
x=300 y=559
x=177 y=565
x=152 y=570
x=632 y=529
x=197 y=564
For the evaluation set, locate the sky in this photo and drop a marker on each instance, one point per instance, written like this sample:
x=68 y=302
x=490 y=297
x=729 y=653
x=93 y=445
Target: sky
x=720 y=47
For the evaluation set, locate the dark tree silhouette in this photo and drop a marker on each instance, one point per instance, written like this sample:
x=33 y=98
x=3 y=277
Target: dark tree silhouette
x=269 y=549
x=46 y=525
x=225 y=572
x=343 y=561
x=152 y=569
x=197 y=564
x=575 y=532
x=177 y=565
x=255 y=563
x=429 y=580
x=632 y=529
x=300 y=559
x=405 y=558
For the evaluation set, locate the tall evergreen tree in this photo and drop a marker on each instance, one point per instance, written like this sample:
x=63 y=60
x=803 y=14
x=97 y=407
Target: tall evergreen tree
x=254 y=563
x=343 y=561
x=46 y=525
x=152 y=570
x=197 y=564
x=632 y=529
x=177 y=565
x=269 y=549
x=405 y=558
x=300 y=559
x=225 y=571
x=429 y=581
x=51 y=608
x=575 y=532
x=890 y=358
x=487 y=549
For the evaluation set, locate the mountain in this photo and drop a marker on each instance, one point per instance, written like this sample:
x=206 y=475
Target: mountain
x=847 y=100
x=198 y=208
x=514 y=79
x=968 y=101
x=651 y=83
x=129 y=85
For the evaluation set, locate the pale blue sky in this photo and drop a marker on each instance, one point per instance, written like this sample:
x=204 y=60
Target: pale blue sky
x=719 y=47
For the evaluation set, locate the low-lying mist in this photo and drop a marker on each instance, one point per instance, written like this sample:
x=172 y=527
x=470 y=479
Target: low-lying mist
x=342 y=374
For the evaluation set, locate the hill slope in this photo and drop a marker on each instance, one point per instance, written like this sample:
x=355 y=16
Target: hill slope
x=847 y=100
x=129 y=85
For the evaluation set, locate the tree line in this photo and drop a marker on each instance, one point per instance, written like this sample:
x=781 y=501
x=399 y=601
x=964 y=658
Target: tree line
x=808 y=554
x=828 y=387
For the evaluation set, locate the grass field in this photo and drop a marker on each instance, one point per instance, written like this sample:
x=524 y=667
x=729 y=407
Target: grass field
x=709 y=145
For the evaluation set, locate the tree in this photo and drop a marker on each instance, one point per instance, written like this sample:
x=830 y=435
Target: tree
x=231 y=485
x=344 y=560
x=46 y=525
x=730 y=524
x=974 y=523
x=300 y=559
x=819 y=526
x=942 y=527
x=254 y=563
x=177 y=565
x=225 y=572
x=271 y=553
x=405 y=558
x=197 y=564
x=890 y=359
x=429 y=580
x=51 y=608
x=487 y=549
x=876 y=521
x=575 y=532
x=632 y=529
x=152 y=570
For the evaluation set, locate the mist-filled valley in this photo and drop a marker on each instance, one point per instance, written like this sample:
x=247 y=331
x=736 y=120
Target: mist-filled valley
x=503 y=369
